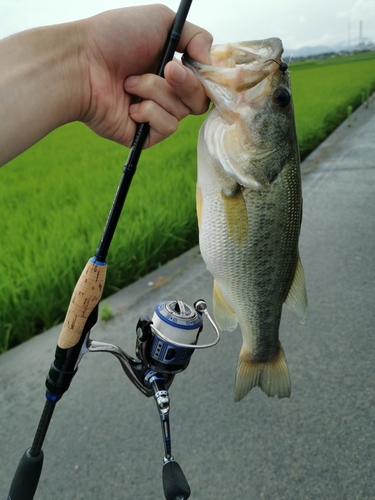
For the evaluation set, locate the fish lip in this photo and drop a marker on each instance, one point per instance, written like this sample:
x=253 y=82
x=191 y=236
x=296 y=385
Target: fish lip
x=241 y=65
x=248 y=57
x=191 y=63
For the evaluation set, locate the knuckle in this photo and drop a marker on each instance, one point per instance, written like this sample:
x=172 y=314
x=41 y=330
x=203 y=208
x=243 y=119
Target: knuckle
x=147 y=108
x=170 y=126
x=146 y=84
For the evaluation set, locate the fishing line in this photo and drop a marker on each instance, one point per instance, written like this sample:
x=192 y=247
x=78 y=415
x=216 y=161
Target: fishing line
x=283 y=65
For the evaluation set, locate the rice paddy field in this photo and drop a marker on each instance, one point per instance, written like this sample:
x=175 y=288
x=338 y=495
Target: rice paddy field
x=55 y=198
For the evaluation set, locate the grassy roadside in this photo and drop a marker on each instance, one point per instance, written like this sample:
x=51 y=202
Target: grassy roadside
x=322 y=91
x=54 y=200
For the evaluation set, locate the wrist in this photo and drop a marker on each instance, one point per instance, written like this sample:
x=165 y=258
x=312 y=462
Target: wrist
x=60 y=65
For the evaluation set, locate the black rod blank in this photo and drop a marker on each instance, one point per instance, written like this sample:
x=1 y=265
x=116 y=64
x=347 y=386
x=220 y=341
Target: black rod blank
x=141 y=134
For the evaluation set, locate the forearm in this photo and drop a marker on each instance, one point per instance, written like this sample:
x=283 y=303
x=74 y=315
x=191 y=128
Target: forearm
x=41 y=85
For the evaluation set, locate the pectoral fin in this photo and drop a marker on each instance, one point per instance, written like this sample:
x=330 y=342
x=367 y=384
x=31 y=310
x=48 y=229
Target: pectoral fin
x=296 y=300
x=236 y=213
x=224 y=316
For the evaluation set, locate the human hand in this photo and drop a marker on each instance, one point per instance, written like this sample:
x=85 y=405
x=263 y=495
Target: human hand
x=122 y=52
x=85 y=71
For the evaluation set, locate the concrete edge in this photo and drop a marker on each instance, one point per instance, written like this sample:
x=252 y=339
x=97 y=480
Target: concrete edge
x=124 y=299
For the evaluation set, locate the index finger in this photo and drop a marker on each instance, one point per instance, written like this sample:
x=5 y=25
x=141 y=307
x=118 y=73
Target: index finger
x=196 y=42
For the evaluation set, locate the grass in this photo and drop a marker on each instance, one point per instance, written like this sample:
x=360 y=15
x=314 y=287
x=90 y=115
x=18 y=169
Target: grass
x=55 y=197
x=323 y=90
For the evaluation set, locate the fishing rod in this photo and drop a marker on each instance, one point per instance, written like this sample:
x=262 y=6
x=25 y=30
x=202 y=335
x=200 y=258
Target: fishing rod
x=159 y=356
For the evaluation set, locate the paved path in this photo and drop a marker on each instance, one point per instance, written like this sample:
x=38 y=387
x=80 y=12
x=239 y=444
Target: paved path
x=105 y=442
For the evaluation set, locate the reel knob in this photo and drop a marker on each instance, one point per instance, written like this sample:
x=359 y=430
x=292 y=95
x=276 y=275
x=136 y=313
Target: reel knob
x=174 y=482
x=143 y=329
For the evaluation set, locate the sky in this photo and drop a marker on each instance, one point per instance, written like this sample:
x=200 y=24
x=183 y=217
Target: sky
x=298 y=23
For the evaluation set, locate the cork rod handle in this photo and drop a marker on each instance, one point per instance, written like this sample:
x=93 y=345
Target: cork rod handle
x=86 y=295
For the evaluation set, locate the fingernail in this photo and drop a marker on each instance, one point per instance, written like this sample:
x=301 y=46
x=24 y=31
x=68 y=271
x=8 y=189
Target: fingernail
x=208 y=58
x=178 y=73
x=133 y=108
x=131 y=81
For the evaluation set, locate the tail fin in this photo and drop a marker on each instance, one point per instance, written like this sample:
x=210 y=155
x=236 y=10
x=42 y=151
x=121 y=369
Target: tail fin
x=272 y=377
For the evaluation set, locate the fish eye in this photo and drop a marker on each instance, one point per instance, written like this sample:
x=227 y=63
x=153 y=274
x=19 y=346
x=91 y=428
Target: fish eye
x=283 y=66
x=282 y=97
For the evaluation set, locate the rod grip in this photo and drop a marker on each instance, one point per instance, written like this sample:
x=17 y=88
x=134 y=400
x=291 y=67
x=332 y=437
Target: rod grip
x=86 y=295
x=26 y=478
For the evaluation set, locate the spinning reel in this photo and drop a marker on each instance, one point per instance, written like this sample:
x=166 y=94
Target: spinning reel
x=164 y=347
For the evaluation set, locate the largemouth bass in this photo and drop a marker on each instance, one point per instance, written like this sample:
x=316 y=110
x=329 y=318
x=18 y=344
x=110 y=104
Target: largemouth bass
x=249 y=205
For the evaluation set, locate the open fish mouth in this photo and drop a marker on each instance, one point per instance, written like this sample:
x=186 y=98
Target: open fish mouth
x=239 y=66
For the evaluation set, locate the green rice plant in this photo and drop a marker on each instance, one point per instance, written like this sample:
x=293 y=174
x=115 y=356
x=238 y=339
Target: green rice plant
x=55 y=198
x=322 y=91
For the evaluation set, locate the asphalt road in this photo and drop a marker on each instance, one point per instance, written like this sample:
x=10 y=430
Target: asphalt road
x=105 y=441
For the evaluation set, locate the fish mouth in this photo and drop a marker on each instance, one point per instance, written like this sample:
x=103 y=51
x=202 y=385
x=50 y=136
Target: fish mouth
x=238 y=66
x=241 y=83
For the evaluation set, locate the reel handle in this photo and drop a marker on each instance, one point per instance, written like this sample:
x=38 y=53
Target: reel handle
x=175 y=484
x=26 y=478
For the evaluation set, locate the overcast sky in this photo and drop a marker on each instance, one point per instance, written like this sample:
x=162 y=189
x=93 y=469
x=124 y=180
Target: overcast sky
x=296 y=22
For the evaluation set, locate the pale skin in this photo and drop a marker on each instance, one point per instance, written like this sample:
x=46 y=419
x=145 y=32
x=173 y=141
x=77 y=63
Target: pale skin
x=91 y=71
